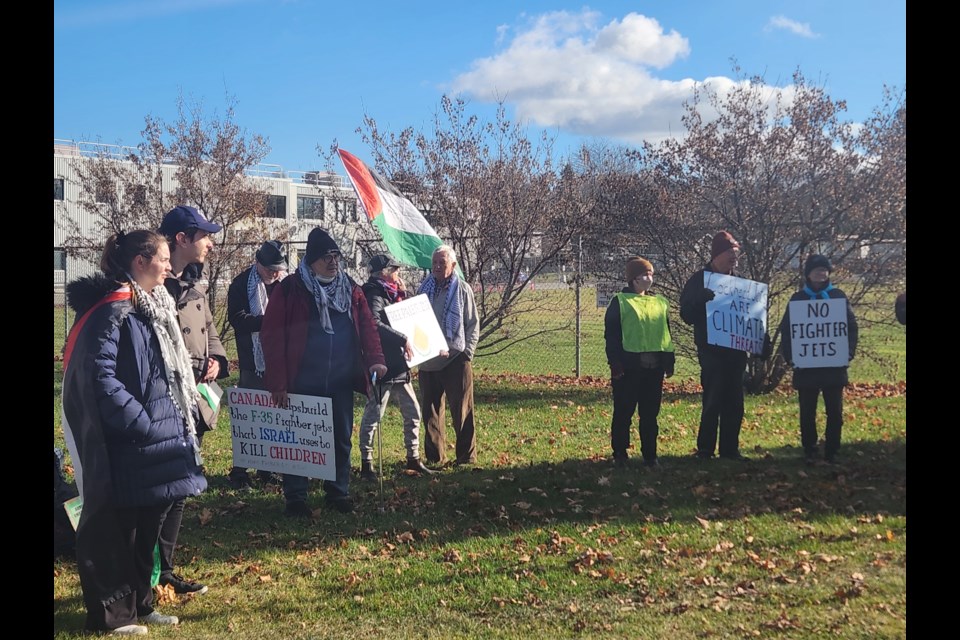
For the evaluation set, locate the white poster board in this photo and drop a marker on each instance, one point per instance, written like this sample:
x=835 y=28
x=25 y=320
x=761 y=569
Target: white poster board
x=818 y=333
x=605 y=293
x=414 y=318
x=737 y=315
x=297 y=439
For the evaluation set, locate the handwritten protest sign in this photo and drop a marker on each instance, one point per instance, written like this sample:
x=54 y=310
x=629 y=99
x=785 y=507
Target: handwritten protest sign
x=297 y=439
x=818 y=333
x=737 y=315
x=605 y=293
x=414 y=318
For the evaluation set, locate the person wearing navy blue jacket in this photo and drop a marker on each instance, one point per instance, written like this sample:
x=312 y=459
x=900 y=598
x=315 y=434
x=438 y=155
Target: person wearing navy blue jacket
x=810 y=382
x=129 y=417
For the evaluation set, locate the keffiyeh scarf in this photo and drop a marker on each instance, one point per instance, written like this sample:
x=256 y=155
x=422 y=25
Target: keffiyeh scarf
x=336 y=294
x=452 y=324
x=257 y=298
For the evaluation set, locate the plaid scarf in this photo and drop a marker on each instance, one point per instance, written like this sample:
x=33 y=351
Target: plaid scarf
x=392 y=289
x=337 y=294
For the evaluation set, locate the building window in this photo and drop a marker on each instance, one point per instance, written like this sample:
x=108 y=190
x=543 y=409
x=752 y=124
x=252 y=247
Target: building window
x=59 y=259
x=276 y=207
x=58 y=188
x=346 y=211
x=310 y=207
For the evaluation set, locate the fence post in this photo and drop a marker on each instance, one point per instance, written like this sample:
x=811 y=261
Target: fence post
x=579 y=279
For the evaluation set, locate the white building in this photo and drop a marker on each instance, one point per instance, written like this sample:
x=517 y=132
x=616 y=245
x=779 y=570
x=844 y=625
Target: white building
x=298 y=201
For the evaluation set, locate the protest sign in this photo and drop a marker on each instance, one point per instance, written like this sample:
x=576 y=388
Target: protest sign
x=605 y=293
x=414 y=318
x=737 y=315
x=296 y=439
x=818 y=333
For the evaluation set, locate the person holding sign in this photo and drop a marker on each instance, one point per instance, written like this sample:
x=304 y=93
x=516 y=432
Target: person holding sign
x=640 y=354
x=721 y=368
x=130 y=417
x=319 y=339
x=247 y=298
x=383 y=289
x=451 y=373
x=818 y=340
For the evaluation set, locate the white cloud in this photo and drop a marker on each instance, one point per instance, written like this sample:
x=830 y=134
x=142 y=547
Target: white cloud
x=562 y=70
x=797 y=28
x=502 y=32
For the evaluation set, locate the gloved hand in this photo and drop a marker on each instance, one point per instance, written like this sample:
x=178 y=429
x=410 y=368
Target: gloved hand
x=706 y=295
x=616 y=370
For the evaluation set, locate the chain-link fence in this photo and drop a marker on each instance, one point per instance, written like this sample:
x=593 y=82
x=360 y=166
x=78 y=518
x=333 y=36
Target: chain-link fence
x=541 y=335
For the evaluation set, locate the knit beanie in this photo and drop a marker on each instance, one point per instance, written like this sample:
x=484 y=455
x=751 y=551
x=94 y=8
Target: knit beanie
x=636 y=266
x=270 y=255
x=721 y=242
x=319 y=243
x=815 y=261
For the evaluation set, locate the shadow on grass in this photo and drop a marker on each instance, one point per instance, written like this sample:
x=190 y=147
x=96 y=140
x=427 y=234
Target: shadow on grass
x=464 y=502
x=228 y=532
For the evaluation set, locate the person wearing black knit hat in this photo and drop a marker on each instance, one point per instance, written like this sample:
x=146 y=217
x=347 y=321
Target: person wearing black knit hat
x=810 y=382
x=721 y=368
x=247 y=300
x=319 y=339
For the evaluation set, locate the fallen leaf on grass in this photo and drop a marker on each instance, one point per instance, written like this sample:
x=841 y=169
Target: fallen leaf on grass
x=452 y=555
x=206 y=515
x=164 y=594
x=265 y=578
x=703 y=523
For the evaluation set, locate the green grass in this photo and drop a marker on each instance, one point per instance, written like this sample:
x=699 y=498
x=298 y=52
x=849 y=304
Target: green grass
x=545 y=540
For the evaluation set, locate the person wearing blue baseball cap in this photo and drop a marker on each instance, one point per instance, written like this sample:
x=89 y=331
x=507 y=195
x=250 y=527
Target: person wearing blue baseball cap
x=190 y=237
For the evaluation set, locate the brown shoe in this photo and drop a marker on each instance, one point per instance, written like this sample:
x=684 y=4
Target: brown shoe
x=415 y=464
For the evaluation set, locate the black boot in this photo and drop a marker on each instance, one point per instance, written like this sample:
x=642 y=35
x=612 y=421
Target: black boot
x=367 y=472
x=414 y=464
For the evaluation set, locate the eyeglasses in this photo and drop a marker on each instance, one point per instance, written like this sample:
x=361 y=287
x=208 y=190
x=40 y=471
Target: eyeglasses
x=330 y=257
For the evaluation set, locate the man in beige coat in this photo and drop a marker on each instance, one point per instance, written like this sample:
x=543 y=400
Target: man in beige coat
x=189 y=234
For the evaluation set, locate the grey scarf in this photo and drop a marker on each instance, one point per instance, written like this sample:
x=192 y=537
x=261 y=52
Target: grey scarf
x=159 y=308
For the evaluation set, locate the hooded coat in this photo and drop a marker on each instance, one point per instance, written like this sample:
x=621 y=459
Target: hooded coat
x=131 y=439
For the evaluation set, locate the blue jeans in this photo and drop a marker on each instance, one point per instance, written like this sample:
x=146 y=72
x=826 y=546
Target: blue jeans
x=295 y=487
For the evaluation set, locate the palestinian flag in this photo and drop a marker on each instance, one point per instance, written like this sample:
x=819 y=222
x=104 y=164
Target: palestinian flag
x=405 y=231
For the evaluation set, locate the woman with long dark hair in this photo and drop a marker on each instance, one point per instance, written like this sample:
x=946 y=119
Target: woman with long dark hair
x=129 y=409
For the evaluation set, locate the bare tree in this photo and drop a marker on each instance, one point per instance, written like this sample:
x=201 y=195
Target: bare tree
x=787 y=177
x=197 y=159
x=494 y=193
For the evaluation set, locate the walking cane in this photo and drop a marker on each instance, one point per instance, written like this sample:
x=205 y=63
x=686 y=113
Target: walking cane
x=378 y=393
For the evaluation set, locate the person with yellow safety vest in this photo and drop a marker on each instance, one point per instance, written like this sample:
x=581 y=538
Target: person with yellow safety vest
x=640 y=354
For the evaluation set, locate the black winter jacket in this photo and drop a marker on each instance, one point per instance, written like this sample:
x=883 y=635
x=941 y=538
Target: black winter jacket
x=391 y=340
x=817 y=377
x=131 y=439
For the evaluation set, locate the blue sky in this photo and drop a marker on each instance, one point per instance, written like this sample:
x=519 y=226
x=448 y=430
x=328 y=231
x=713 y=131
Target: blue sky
x=303 y=72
